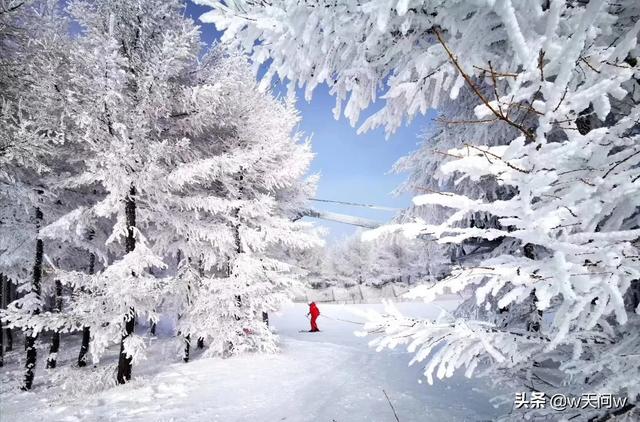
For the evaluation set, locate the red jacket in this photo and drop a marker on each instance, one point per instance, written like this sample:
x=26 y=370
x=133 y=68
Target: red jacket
x=313 y=310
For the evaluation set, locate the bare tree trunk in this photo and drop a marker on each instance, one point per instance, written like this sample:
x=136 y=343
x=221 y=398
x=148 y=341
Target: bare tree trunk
x=9 y=331
x=152 y=323
x=6 y=298
x=187 y=346
x=84 y=347
x=10 y=289
x=124 y=361
x=86 y=331
x=30 y=340
x=187 y=338
x=200 y=342
x=3 y=300
x=632 y=296
x=55 y=340
x=228 y=348
x=535 y=319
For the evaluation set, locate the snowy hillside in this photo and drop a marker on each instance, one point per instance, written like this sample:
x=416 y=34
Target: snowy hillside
x=327 y=376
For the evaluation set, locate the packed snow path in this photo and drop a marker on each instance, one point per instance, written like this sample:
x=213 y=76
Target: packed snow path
x=327 y=376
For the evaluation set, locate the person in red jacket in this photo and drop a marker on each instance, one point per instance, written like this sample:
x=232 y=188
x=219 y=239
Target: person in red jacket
x=315 y=313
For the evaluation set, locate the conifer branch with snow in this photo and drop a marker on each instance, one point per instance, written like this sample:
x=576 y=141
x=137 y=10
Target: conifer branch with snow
x=564 y=76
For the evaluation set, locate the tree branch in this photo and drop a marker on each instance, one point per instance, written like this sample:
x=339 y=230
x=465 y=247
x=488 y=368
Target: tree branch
x=498 y=113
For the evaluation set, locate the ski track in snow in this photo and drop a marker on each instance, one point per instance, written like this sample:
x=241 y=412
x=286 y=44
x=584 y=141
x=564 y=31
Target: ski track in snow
x=328 y=376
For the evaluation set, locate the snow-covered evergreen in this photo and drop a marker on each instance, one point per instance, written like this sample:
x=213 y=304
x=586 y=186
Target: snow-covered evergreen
x=238 y=199
x=392 y=258
x=175 y=182
x=33 y=117
x=559 y=79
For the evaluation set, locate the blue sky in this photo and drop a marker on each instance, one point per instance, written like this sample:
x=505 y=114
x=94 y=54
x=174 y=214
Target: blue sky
x=352 y=167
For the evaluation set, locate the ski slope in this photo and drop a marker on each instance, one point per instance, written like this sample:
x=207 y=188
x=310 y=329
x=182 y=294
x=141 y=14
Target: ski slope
x=327 y=376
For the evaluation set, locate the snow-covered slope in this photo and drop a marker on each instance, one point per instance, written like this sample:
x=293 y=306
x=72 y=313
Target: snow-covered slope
x=327 y=376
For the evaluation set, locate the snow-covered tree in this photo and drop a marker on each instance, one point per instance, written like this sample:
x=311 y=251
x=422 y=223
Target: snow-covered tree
x=571 y=173
x=575 y=197
x=124 y=71
x=363 y=49
x=188 y=182
x=317 y=264
x=454 y=128
x=399 y=259
x=391 y=258
x=351 y=262
x=239 y=197
x=33 y=117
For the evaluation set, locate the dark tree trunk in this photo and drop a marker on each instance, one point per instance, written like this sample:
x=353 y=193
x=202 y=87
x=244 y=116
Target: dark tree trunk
x=228 y=348
x=535 y=321
x=187 y=346
x=9 y=333
x=124 y=361
x=152 y=323
x=187 y=338
x=10 y=289
x=633 y=295
x=84 y=347
x=30 y=340
x=200 y=342
x=10 y=298
x=265 y=318
x=86 y=331
x=55 y=339
x=3 y=299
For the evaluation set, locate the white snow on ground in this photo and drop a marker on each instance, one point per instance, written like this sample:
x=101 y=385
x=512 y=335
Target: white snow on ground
x=327 y=376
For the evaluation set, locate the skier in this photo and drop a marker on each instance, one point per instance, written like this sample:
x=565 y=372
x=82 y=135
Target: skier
x=315 y=313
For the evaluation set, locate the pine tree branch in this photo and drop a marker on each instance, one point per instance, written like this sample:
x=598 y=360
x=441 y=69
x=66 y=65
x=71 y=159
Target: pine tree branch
x=620 y=162
x=498 y=113
x=466 y=122
x=486 y=153
x=11 y=9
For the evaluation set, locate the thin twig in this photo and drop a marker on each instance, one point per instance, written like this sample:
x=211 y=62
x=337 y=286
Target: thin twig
x=391 y=405
x=620 y=162
x=528 y=107
x=495 y=87
x=589 y=64
x=11 y=9
x=541 y=64
x=485 y=152
x=564 y=94
x=617 y=65
x=466 y=122
x=447 y=154
x=498 y=74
